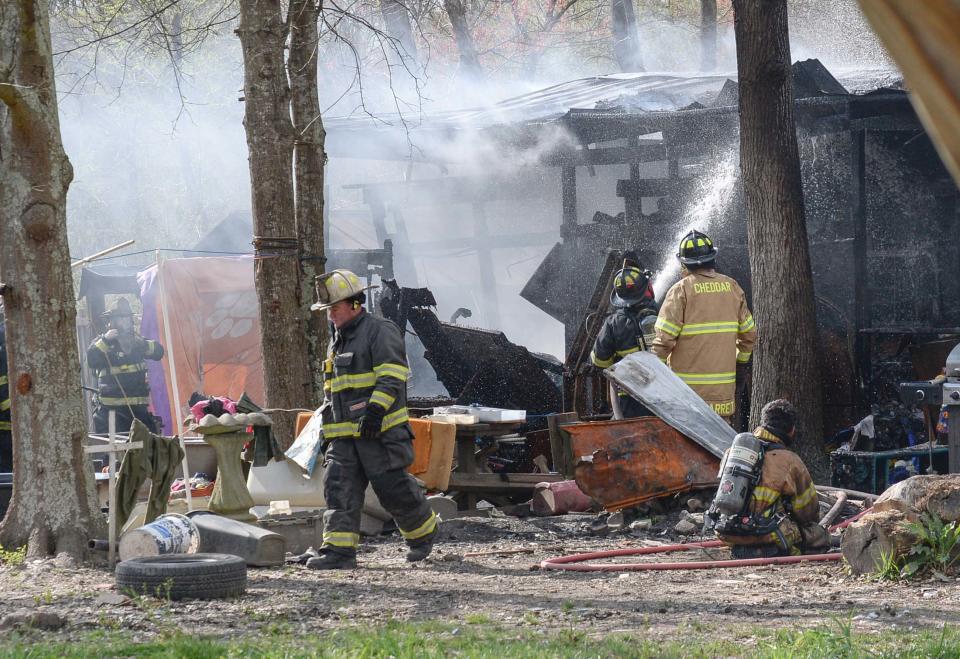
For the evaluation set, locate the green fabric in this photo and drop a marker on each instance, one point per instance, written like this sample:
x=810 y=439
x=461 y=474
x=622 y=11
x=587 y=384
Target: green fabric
x=158 y=461
x=265 y=445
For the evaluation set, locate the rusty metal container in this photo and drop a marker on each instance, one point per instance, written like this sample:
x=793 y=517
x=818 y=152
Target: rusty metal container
x=623 y=463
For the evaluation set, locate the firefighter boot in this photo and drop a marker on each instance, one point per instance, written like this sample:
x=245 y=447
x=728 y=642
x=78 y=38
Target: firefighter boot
x=421 y=548
x=331 y=560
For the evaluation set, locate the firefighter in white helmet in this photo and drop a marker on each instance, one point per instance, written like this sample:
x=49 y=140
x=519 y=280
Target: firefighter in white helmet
x=366 y=424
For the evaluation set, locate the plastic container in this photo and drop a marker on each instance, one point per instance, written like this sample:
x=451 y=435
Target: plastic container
x=300 y=529
x=284 y=480
x=222 y=535
x=167 y=534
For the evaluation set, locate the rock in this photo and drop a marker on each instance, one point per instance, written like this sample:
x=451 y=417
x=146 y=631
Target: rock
x=641 y=525
x=616 y=521
x=696 y=518
x=65 y=561
x=111 y=599
x=46 y=620
x=695 y=505
x=686 y=527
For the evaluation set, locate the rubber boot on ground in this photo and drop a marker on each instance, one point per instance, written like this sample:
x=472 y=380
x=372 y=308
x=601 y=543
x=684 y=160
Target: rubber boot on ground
x=330 y=560
x=420 y=549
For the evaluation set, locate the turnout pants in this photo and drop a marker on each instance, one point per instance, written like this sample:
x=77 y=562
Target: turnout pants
x=351 y=464
x=125 y=419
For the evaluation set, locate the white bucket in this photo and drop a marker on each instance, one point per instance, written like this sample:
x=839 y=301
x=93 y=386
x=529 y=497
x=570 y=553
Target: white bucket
x=167 y=534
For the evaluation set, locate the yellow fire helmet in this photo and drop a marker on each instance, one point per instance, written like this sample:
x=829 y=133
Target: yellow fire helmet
x=335 y=286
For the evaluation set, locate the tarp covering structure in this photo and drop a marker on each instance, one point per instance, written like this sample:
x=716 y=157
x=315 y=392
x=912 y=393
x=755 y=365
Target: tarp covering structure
x=213 y=343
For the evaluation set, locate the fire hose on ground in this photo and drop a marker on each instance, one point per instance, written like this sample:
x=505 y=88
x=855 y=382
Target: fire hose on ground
x=576 y=562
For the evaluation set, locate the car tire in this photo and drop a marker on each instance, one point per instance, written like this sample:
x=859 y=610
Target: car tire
x=183 y=576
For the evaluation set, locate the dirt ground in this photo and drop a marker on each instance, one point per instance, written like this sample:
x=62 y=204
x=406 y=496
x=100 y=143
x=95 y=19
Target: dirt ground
x=507 y=589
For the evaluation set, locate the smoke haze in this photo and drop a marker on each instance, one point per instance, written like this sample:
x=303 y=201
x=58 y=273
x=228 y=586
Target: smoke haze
x=163 y=158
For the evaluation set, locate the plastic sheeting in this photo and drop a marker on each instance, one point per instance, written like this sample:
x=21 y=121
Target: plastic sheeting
x=651 y=382
x=214 y=327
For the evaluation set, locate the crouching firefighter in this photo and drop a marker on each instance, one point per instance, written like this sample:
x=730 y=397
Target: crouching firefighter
x=766 y=504
x=629 y=329
x=366 y=426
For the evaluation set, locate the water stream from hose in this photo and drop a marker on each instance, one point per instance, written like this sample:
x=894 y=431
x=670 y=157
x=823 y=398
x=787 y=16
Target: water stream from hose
x=705 y=210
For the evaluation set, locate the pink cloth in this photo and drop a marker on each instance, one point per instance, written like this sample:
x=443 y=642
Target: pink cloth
x=198 y=413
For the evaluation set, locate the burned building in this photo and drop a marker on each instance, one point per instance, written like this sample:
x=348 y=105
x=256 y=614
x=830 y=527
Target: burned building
x=633 y=161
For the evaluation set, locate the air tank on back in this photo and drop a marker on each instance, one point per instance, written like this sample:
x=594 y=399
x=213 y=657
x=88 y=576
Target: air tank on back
x=737 y=474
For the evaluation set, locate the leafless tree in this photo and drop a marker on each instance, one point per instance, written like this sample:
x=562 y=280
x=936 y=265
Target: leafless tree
x=787 y=349
x=309 y=162
x=53 y=509
x=708 y=35
x=626 y=40
x=469 y=59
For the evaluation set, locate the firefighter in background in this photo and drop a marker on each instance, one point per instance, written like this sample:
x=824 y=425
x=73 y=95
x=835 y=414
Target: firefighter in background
x=629 y=329
x=365 y=423
x=705 y=331
x=6 y=437
x=118 y=358
x=780 y=513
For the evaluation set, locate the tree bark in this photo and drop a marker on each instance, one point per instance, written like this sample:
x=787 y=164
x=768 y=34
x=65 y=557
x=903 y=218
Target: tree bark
x=867 y=541
x=308 y=162
x=396 y=19
x=270 y=139
x=936 y=495
x=708 y=35
x=53 y=509
x=469 y=60
x=626 y=40
x=885 y=531
x=787 y=348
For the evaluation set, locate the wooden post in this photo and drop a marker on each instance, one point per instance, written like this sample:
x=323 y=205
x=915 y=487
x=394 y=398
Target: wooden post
x=559 y=447
x=953 y=439
x=112 y=488
x=177 y=412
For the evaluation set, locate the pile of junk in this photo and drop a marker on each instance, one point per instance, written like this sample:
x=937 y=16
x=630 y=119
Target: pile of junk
x=907 y=430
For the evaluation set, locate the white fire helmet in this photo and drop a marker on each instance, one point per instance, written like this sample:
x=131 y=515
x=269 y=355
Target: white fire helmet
x=335 y=286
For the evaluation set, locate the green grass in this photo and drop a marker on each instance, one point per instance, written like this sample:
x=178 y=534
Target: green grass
x=435 y=640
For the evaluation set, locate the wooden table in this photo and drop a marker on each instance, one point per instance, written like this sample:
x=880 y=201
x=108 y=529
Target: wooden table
x=470 y=478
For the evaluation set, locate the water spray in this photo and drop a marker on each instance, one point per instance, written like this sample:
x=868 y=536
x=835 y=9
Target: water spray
x=707 y=208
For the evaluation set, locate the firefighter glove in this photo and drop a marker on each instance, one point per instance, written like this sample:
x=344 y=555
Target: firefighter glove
x=112 y=334
x=371 y=422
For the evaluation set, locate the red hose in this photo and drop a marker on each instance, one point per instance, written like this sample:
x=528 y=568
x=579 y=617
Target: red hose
x=564 y=562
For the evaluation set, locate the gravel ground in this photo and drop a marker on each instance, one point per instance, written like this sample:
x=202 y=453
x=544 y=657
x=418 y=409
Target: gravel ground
x=506 y=589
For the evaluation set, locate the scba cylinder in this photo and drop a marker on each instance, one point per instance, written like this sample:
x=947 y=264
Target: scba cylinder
x=737 y=474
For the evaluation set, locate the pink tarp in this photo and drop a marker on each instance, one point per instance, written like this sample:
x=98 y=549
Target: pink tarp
x=214 y=331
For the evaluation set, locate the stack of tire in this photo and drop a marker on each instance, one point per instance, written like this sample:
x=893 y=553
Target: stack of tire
x=183 y=576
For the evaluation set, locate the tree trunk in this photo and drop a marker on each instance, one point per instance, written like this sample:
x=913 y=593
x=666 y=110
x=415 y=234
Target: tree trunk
x=396 y=20
x=270 y=140
x=936 y=495
x=469 y=60
x=787 y=349
x=54 y=507
x=308 y=162
x=626 y=40
x=708 y=35
x=884 y=531
x=874 y=537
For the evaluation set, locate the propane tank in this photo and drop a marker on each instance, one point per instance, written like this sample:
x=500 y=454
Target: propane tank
x=737 y=474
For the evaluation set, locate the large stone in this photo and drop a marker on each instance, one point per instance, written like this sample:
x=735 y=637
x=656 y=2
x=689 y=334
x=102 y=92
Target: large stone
x=686 y=527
